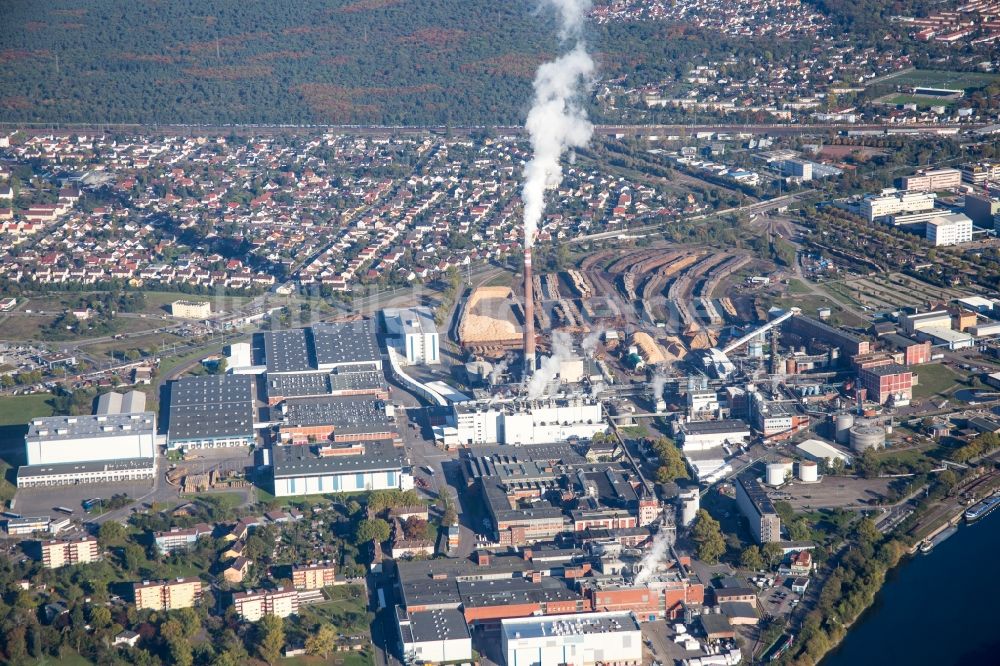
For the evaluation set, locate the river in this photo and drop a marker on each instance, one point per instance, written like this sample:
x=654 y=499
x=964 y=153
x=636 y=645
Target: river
x=936 y=609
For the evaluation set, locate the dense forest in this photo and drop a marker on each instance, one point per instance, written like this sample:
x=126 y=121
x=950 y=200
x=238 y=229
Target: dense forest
x=440 y=62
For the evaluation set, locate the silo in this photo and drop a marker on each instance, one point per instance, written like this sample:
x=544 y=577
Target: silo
x=808 y=471
x=864 y=436
x=777 y=473
x=842 y=425
x=690 y=503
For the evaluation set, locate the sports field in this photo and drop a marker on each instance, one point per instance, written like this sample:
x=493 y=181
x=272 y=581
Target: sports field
x=934 y=78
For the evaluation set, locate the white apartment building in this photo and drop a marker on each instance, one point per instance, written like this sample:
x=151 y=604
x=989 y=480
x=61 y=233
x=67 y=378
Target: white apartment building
x=949 y=229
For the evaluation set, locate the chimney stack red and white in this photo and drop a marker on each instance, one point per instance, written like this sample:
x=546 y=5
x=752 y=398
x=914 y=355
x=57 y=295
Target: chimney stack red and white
x=529 y=316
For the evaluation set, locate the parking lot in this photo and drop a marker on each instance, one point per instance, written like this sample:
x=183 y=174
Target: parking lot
x=832 y=492
x=41 y=501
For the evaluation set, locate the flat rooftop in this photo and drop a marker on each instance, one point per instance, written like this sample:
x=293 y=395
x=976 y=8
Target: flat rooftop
x=568 y=625
x=125 y=464
x=303 y=460
x=344 y=413
x=346 y=342
x=212 y=406
x=434 y=625
x=715 y=427
x=54 y=428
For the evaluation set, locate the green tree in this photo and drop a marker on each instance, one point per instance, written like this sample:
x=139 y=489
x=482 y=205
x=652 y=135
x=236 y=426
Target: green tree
x=773 y=554
x=868 y=464
x=111 y=532
x=867 y=532
x=270 y=638
x=798 y=529
x=672 y=465
x=751 y=558
x=371 y=529
x=707 y=533
x=322 y=641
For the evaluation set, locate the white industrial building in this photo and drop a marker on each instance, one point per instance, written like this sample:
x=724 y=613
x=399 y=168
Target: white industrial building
x=949 y=229
x=892 y=202
x=113 y=402
x=89 y=449
x=434 y=636
x=528 y=422
x=359 y=467
x=582 y=639
x=68 y=439
x=414 y=334
x=819 y=451
x=705 y=435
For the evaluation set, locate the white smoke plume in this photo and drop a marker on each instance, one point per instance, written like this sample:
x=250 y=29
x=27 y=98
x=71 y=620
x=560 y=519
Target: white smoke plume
x=656 y=554
x=556 y=121
x=562 y=349
x=659 y=384
x=589 y=342
x=496 y=374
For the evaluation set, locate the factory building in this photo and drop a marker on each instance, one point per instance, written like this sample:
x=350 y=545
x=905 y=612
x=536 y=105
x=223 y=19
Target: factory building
x=887 y=382
x=891 y=202
x=164 y=595
x=370 y=383
x=89 y=449
x=252 y=606
x=705 y=435
x=752 y=500
x=332 y=468
x=589 y=639
x=132 y=402
x=210 y=412
x=914 y=353
x=820 y=452
x=345 y=419
x=949 y=230
x=414 y=335
x=322 y=348
x=434 y=636
x=527 y=422
x=809 y=328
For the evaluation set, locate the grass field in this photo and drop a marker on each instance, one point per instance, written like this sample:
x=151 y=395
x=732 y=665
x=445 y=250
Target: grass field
x=19 y=409
x=920 y=100
x=934 y=380
x=934 y=78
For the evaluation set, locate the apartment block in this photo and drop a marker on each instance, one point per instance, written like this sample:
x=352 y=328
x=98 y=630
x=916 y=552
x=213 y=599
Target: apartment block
x=313 y=576
x=253 y=605
x=55 y=554
x=891 y=202
x=167 y=594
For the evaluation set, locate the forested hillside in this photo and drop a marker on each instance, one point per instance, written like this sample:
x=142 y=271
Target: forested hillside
x=461 y=62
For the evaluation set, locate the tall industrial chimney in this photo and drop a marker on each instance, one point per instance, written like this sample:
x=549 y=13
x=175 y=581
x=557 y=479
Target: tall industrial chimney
x=529 y=316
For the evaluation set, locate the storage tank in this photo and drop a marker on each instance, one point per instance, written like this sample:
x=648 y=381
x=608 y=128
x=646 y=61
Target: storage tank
x=690 y=503
x=808 y=471
x=777 y=473
x=865 y=436
x=842 y=425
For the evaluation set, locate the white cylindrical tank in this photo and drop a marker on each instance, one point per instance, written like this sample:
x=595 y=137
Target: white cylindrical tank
x=842 y=428
x=865 y=436
x=690 y=504
x=778 y=473
x=808 y=471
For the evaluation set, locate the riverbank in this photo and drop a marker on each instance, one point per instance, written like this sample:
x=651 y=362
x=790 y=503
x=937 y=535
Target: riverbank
x=933 y=609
